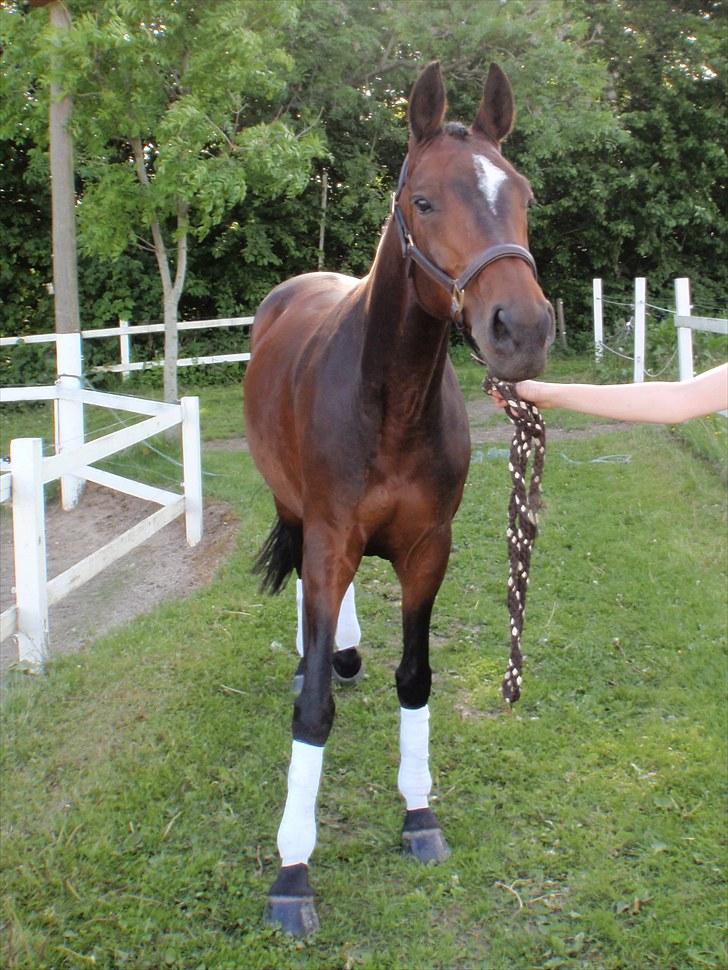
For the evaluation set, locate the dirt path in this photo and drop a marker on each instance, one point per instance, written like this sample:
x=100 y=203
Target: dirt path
x=164 y=567
x=487 y=426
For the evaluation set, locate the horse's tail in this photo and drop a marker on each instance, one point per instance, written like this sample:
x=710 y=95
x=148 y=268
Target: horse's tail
x=280 y=554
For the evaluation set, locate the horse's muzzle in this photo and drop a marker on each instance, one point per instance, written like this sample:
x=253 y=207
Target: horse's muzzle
x=515 y=343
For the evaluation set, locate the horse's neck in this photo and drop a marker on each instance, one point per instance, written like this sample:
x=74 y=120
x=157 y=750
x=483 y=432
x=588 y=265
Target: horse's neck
x=405 y=349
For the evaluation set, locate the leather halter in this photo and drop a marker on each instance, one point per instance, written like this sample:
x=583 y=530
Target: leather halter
x=455 y=287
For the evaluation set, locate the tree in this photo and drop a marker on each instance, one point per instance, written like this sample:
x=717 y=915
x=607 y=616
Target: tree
x=173 y=119
x=666 y=212
x=355 y=63
x=621 y=128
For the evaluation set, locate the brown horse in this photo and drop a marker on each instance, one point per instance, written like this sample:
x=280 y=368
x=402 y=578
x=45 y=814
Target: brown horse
x=356 y=422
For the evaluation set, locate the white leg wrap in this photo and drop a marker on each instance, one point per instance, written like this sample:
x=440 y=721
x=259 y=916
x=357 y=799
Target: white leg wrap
x=299 y=613
x=414 y=779
x=348 y=631
x=297 y=831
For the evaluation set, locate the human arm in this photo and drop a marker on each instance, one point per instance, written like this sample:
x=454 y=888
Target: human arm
x=658 y=402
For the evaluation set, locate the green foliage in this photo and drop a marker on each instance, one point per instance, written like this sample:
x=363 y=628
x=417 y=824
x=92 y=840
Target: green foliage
x=621 y=130
x=173 y=120
x=666 y=212
x=192 y=87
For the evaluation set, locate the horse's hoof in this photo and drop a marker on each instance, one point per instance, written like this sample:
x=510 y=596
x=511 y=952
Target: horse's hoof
x=290 y=904
x=295 y=915
x=347 y=667
x=422 y=837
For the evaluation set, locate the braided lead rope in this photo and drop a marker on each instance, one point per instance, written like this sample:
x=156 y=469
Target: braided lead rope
x=529 y=437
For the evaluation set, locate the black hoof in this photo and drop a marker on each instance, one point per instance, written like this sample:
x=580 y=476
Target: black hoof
x=347 y=669
x=290 y=904
x=422 y=837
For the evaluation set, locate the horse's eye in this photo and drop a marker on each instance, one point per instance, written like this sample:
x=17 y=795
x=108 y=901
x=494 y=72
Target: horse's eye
x=421 y=204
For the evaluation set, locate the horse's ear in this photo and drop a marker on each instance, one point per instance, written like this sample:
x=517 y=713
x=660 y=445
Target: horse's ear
x=497 y=110
x=427 y=104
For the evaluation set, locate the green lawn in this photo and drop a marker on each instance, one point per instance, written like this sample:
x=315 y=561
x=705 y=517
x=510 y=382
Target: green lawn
x=143 y=780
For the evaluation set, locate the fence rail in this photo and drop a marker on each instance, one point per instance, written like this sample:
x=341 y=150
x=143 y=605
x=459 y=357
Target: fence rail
x=126 y=331
x=708 y=324
x=23 y=478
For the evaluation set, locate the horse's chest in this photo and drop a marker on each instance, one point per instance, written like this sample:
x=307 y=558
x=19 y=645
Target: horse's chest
x=409 y=490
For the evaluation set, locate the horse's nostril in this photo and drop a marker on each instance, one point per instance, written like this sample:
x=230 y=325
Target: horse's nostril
x=500 y=327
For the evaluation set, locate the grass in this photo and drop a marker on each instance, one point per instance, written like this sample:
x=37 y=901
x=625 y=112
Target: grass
x=143 y=780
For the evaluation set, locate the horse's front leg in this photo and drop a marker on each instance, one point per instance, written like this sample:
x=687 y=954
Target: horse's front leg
x=291 y=899
x=420 y=576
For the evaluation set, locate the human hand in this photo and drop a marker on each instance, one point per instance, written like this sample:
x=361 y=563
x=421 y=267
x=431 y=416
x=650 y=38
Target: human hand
x=496 y=397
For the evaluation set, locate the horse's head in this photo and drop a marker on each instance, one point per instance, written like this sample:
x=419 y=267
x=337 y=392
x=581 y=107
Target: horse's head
x=461 y=213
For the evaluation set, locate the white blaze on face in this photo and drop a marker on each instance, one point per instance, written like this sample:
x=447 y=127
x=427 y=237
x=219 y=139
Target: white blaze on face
x=490 y=179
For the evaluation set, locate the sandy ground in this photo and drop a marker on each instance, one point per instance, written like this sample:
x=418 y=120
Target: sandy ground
x=164 y=567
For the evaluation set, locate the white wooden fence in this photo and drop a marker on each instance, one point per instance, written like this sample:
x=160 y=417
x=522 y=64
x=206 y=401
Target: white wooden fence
x=23 y=478
x=684 y=322
x=125 y=332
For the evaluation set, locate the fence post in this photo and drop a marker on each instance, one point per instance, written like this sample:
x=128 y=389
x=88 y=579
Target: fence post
x=684 y=334
x=31 y=592
x=561 y=325
x=124 y=349
x=69 y=414
x=598 y=320
x=192 y=465
x=640 y=299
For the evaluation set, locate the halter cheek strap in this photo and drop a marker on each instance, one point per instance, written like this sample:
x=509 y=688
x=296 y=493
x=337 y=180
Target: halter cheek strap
x=454 y=286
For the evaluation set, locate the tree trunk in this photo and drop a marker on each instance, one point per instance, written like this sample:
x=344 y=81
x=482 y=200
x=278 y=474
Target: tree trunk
x=171 y=343
x=172 y=296
x=69 y=415
x=171 y=291
x=63 y=199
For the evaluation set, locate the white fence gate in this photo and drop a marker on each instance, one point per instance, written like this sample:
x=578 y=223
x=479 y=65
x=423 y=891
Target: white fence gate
x=23 y=478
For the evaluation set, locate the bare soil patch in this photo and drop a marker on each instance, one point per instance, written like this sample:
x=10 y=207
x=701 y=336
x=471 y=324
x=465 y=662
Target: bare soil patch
x=488 y=425
x=162 y=568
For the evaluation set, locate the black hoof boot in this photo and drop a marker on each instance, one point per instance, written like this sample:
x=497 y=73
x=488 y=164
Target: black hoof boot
x=422 y=837
x=347 y=667
x=290 y=903
x=347 y=670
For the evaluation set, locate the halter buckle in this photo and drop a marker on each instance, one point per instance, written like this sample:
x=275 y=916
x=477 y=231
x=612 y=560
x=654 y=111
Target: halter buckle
x=457 y=302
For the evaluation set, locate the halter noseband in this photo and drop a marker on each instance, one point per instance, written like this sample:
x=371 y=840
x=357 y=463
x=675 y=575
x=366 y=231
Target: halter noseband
x=455 y=287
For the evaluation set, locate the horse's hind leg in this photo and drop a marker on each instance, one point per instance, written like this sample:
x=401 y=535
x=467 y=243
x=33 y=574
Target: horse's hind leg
x=420 y=578
x=348 y=669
